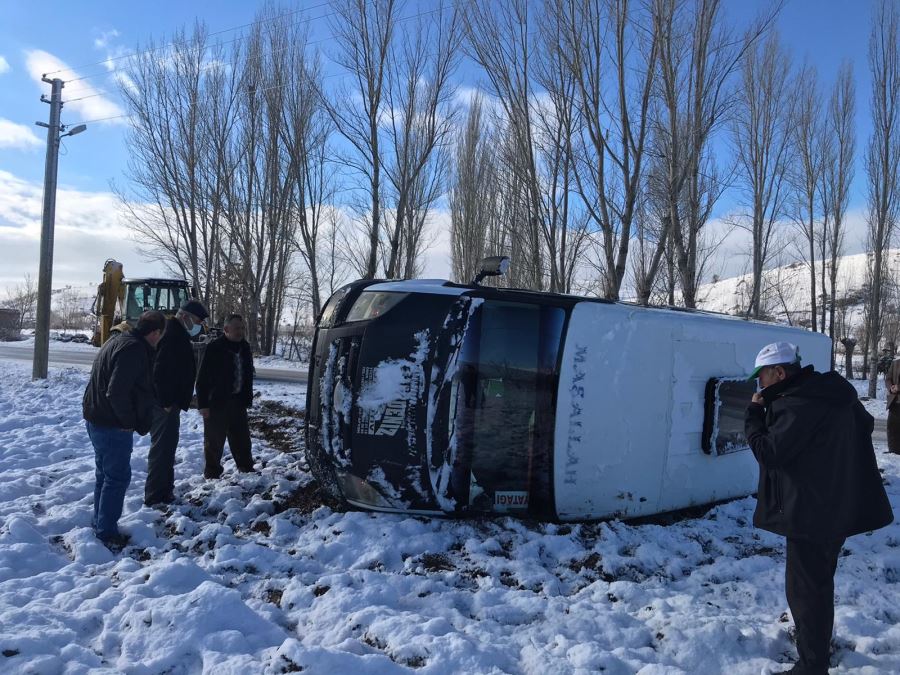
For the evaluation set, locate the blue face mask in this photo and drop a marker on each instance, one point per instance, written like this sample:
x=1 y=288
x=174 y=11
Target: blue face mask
x=194 y=330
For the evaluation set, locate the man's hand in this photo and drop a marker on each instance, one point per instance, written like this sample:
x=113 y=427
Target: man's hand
x=758 y=399
x=893 y=388
x=204 y=413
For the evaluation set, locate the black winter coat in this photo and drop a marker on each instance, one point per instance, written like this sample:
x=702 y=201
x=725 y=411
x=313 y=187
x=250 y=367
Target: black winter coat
x=215 y=380
x=119 y=393
x=818 y=477
x=174 y=371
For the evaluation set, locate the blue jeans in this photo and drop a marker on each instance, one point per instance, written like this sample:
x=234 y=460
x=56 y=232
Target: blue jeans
x=112 y=456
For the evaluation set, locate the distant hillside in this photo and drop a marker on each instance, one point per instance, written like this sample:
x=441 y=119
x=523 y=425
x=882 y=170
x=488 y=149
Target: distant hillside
x=786 y=290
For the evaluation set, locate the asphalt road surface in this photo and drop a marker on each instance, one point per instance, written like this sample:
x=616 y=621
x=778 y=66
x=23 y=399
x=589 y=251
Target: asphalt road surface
x=65 y=357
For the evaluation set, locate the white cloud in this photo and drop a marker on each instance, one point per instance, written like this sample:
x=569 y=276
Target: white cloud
x=95 y=105
x=105 y=38
x=19 y=136
x=4 y=65
x=437 y=255
x=88 y=231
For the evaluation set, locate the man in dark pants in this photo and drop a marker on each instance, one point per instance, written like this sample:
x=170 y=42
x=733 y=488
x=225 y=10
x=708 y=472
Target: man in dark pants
x=117 y=402
x=224 y=392
x=892 y=385
x=818 y=484
x=174 y=373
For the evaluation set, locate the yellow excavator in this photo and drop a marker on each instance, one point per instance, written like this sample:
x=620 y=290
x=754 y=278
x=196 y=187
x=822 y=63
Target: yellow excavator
x=121 y=301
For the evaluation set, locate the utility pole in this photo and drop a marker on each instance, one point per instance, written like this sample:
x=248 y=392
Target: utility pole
x=48 y=221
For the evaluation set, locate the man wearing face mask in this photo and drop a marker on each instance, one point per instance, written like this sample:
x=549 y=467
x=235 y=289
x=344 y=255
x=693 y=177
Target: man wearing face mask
x=174 y=372
x=818 y=484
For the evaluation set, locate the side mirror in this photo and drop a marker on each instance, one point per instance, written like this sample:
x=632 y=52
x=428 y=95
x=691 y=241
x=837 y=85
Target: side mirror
x=493 y=266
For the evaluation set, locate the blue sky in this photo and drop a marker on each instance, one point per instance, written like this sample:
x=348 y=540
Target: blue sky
x=35 y=37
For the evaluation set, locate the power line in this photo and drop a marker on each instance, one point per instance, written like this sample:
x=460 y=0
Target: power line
x=220 y=44
x=82 y=98
x=172 y=44
x=245 y=37
x=270 y=88
x=99 y=119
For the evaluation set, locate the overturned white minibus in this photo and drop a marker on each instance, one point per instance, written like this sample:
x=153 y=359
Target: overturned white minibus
x=431 y=397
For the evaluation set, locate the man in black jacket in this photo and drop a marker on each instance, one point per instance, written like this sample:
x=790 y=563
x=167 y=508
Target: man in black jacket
x=818 y=484
x=117 y=402
x=174 y=372
x=224 y=392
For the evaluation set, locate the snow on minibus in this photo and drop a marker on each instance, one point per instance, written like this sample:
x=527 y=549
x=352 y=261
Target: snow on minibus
x=437 y=398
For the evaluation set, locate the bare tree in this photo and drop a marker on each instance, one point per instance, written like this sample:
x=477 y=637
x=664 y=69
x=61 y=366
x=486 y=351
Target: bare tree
x=611 y=64
x=564 y=225
x=171 y=205
x=761 y=132
x=364 y=32
x=699 y=55
x=304 y=130
x=501 y=38
x=23 y=298
x=69 y=310
x=805 y=174
x=473 y=193
x=259 y=196
x=882 y=164
x=420 y=117
x=836 y=178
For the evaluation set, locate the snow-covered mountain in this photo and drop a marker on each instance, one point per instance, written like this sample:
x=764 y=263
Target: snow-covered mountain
x=785 y=289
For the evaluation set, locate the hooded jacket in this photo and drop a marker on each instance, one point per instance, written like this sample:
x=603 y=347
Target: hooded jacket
x=174 y=370
x=119 y=393
x=818 y=477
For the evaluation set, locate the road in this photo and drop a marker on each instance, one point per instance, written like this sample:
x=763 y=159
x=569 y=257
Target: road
x=65 y=357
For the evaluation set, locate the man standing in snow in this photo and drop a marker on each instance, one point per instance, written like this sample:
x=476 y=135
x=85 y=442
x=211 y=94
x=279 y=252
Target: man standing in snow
x=892 y=385
x=818 y=483
x=117 y=402
x=174 y=372
x=224 y=392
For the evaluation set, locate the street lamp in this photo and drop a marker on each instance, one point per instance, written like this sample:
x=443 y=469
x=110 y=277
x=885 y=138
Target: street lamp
x=74 y=131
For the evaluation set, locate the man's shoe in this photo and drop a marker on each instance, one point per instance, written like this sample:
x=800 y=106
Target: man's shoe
x=154 y=503
x=114 y=542
x=212 y=471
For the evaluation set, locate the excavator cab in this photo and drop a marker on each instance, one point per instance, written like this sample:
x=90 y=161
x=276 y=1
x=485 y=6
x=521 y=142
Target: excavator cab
x=121 y=301
x=164 y=295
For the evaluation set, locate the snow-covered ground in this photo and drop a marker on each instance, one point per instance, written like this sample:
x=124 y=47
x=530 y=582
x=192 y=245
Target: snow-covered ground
x=250 y=574
x=875 y=406
x=55 y=344
x=280 y=362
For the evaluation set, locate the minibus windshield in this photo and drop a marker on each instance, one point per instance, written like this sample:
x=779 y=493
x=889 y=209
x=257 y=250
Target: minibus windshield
x=502 y=405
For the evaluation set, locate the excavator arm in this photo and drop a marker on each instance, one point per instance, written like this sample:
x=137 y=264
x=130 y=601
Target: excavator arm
x=110 y=296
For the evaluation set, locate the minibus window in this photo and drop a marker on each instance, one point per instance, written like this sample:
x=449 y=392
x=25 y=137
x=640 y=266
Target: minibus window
x=725 y=406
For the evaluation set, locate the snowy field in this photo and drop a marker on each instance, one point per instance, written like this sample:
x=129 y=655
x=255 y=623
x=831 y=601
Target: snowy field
x=280 y=362
x=251 y=574
x=55 y=344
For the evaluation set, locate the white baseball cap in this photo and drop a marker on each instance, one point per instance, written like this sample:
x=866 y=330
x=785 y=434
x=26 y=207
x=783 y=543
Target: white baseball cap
x=775 y=354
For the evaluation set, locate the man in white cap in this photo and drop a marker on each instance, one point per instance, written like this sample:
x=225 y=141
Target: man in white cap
x=818 y=483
